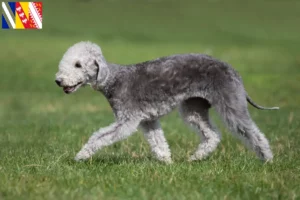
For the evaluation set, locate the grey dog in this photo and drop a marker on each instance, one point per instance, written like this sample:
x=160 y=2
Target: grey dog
x=140 y=94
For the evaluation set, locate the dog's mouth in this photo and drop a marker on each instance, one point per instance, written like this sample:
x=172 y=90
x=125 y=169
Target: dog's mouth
x=70 y=89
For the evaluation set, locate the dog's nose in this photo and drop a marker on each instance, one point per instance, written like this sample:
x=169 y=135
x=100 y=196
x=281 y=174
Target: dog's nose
x=58 y=82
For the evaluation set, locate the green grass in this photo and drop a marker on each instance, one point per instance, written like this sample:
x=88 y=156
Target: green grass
x=41 y=129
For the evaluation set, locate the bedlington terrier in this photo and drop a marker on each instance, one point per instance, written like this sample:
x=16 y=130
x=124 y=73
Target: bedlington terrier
x=140 y=94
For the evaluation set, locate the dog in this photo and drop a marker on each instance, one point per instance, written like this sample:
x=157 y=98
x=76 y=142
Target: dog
x=140 y=94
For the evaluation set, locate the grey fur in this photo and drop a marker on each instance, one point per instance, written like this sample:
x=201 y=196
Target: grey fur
x=140 y=94
x=258 y=106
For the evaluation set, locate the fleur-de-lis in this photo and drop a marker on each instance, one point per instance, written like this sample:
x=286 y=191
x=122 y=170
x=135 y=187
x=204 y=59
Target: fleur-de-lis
x=22 y=14
x=24 y=21
x=18 y=8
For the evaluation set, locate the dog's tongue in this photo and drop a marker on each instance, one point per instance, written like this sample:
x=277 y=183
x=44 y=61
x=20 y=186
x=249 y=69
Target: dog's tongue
x=68 y=89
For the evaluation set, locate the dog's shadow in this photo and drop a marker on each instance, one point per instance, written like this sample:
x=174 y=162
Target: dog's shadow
x=110 y=160
x=120 y=159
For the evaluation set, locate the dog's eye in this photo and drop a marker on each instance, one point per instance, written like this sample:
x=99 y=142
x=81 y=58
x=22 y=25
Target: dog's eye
x=78 y=65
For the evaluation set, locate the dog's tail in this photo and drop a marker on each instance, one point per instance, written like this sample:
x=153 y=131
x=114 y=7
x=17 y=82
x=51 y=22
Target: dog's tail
x=258 y=106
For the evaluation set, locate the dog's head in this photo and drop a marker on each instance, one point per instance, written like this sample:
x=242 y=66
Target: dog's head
x=79 y=66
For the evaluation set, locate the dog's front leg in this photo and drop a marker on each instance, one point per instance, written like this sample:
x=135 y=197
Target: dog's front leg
x=155 y=137
x=107 y=136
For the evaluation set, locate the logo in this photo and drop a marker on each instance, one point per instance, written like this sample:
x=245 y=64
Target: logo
x=22 y=15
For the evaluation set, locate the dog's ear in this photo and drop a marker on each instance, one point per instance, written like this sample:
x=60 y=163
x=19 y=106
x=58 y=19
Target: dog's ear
x=97 y=68
x=102 y=70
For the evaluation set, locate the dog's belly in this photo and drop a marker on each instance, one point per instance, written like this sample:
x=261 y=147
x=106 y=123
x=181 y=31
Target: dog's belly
x=154 y=110
x=160 y=110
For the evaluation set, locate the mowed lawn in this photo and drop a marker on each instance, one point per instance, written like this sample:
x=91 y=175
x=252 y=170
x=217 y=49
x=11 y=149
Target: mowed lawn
x=41 y=128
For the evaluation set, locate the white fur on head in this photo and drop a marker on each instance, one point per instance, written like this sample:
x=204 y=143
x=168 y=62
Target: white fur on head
x=83 y=63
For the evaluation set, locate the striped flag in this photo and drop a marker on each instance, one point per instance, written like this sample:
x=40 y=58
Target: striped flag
x=22 y=15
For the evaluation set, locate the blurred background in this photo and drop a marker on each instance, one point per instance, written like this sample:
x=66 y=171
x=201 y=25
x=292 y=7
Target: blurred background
x=40 y=125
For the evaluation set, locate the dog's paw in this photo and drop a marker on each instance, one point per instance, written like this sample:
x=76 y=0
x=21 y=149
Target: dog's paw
x=166 y=160
x=82 y=155
x=196 y=157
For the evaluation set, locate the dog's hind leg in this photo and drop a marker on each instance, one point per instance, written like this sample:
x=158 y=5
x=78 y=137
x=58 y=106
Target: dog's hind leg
x=155 y=137
x=194 y=111
x=235 y=114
